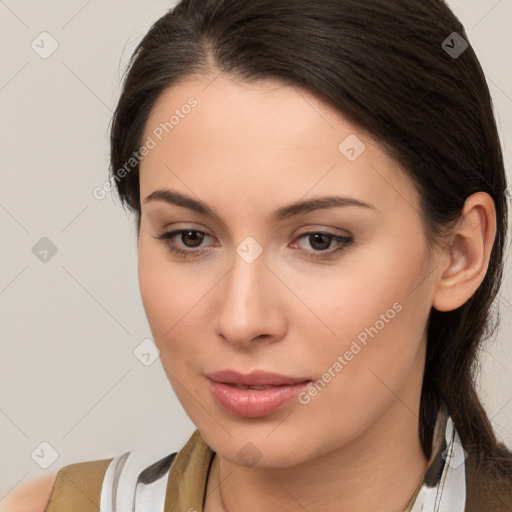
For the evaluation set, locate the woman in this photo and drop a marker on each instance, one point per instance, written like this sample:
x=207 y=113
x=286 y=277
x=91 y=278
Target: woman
x=319 y=194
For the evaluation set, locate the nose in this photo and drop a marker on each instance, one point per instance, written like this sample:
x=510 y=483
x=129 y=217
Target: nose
x=250 y=307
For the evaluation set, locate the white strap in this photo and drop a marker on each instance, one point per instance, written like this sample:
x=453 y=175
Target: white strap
x=151 y=497
x=452 y=492
x=110 y=482
x=120 y=491
x=449 y=495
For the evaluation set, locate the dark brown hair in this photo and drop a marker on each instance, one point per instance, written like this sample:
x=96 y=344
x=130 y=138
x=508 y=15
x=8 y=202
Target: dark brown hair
x=383 y=65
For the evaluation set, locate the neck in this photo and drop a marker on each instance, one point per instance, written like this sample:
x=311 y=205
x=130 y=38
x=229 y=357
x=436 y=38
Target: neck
x=379 y=470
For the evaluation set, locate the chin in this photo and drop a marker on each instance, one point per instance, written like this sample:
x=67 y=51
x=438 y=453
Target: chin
x=254 y=448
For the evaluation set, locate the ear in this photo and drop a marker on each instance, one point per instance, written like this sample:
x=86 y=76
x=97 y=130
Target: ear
x=470 y=250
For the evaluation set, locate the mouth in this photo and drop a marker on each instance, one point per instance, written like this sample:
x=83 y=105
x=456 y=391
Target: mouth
x=257 y=379
x=250 y=387
x=253 y=395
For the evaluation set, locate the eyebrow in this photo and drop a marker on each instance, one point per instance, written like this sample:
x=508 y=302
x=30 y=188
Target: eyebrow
x=300 y=207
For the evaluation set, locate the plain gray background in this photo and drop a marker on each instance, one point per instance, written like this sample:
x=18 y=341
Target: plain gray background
x=71 y=387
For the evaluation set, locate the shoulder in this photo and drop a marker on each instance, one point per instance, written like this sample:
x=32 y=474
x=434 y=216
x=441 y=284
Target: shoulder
x=77 y=485
x=136 y=475
x=31 y=496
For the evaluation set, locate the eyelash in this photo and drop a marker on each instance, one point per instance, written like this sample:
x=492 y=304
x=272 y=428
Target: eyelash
x=345 y=243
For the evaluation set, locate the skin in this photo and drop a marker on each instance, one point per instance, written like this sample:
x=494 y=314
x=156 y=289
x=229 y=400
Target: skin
x=31 y=496
x=247 y=150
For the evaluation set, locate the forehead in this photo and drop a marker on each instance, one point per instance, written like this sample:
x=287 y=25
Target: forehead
x=239 y=114
x=262 y=140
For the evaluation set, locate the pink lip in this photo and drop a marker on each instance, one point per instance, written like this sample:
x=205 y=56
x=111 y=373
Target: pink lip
x=252 y=403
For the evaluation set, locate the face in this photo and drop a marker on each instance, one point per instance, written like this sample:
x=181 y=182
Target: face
x=338 y=296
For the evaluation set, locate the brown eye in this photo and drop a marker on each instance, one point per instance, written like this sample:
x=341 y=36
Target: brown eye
x=193 y=237
x=321 y=241
x=189 y=238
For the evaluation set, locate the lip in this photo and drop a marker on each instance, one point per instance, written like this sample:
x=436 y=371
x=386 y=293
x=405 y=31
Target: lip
x=253 y=403
x=254 y=378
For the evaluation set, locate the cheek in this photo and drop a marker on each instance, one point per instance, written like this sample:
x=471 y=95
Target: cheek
x=377 y=308
x=156 y=289
x=163 y=291
x=364 y=285
x=174 y=300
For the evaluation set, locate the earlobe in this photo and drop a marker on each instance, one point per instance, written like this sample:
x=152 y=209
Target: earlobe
x=470 y=250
